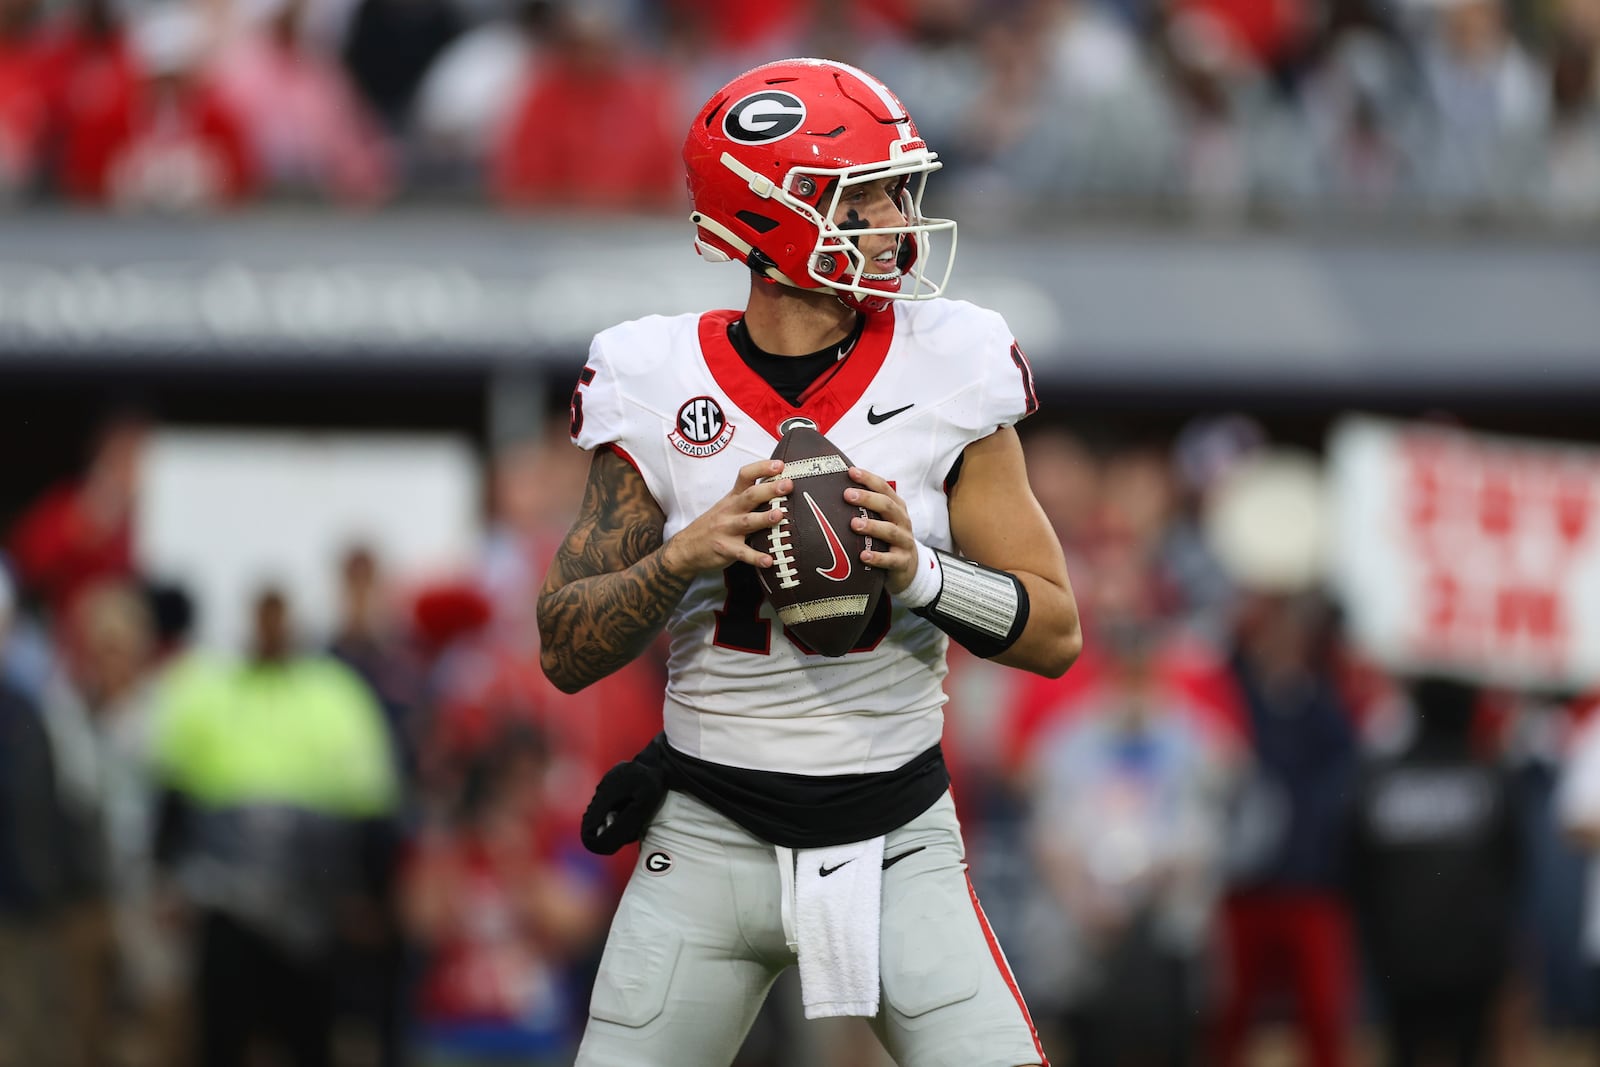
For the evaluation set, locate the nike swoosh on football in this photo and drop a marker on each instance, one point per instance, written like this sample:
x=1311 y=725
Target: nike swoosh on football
x=875 y=418
x=892 y=860
x=839 y=569
x=823 y=870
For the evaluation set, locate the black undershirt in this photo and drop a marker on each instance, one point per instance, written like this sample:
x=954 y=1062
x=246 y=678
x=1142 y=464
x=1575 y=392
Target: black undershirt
x=799 y=810
x=812 y=811
x=790 y=375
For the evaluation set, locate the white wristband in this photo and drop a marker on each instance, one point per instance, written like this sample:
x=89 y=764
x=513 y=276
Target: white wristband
x=928 y=582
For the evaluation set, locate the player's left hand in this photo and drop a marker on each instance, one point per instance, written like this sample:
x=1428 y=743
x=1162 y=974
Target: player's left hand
x=892 y=528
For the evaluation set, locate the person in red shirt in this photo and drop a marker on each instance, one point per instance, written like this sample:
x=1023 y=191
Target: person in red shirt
x=24 y=96
x=81 y=531
x=140 y=126
x=94 y=80
x=596 y=127
x=185 y=147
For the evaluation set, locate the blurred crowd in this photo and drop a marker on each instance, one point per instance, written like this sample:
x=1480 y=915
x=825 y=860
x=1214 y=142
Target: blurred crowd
x=357 y=846
x=1207 y=108
x=360 y=847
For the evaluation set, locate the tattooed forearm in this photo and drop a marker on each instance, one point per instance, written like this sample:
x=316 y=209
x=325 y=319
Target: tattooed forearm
x=618 y=524
x=608 y=592
x=595 y=625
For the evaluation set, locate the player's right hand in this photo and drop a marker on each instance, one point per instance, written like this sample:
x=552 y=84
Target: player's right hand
x=716 y=538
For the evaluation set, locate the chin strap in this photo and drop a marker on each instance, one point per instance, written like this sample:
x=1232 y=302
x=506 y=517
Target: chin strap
x=768 y=271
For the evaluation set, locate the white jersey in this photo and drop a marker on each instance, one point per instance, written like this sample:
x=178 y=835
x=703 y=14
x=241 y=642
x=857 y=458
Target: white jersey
x=676 y=400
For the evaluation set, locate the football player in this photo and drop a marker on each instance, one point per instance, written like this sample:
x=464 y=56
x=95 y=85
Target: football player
x=797 y=808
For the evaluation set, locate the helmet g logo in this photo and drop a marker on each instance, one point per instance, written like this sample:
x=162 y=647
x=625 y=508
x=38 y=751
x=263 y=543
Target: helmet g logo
x=769 y=115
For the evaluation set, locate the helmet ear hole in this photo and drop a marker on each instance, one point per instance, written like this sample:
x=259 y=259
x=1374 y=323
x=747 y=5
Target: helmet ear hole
x=757 y=222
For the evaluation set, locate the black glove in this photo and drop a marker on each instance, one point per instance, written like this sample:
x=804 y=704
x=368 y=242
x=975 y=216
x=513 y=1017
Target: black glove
x=623 y=804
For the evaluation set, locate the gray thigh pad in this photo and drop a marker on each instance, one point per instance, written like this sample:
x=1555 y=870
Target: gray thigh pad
x=635 y=974
x=679 y=982
x=949 y=998
x=927 y=962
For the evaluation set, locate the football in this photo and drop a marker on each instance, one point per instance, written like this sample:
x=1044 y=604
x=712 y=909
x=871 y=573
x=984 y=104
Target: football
x=822 y=592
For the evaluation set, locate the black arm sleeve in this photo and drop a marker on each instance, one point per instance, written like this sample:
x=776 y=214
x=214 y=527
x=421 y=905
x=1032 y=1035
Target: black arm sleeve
x=984 y=610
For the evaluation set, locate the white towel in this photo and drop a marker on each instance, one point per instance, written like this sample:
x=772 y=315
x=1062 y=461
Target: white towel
x=836 y=908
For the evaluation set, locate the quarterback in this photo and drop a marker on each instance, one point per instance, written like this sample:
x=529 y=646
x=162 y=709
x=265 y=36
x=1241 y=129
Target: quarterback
x=796 y=810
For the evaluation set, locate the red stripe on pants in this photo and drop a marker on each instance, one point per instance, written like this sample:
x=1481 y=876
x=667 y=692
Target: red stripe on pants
x=1005 y=971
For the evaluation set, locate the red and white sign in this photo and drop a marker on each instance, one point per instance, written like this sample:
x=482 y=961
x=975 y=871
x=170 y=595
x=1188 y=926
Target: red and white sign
x=1468 y=553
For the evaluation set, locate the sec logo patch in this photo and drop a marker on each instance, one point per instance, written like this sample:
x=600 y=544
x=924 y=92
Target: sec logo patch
x=701 y=430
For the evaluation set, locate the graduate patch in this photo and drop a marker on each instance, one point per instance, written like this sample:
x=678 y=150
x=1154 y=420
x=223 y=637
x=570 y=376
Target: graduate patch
x=702 y=430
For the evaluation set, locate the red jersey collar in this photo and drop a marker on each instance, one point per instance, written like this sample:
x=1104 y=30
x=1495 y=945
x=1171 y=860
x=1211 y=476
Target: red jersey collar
x=761 y=402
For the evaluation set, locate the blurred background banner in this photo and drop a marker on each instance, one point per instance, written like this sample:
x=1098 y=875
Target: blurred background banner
x=1468 y=554
x=1107 y=306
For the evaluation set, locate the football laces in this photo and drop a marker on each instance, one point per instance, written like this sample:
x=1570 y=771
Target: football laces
x=779 y=548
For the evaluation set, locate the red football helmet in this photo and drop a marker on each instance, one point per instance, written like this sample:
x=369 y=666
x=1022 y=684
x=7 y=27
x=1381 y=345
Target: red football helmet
x=769 y=157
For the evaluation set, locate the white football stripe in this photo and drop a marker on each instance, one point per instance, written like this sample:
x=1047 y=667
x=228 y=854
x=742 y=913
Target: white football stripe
x=815 y=465
x=833 y=607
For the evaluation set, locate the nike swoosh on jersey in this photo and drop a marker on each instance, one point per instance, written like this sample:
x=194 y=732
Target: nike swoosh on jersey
x=839 y=569
x=823 y=870
x=892 y=860
x=874 y=417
